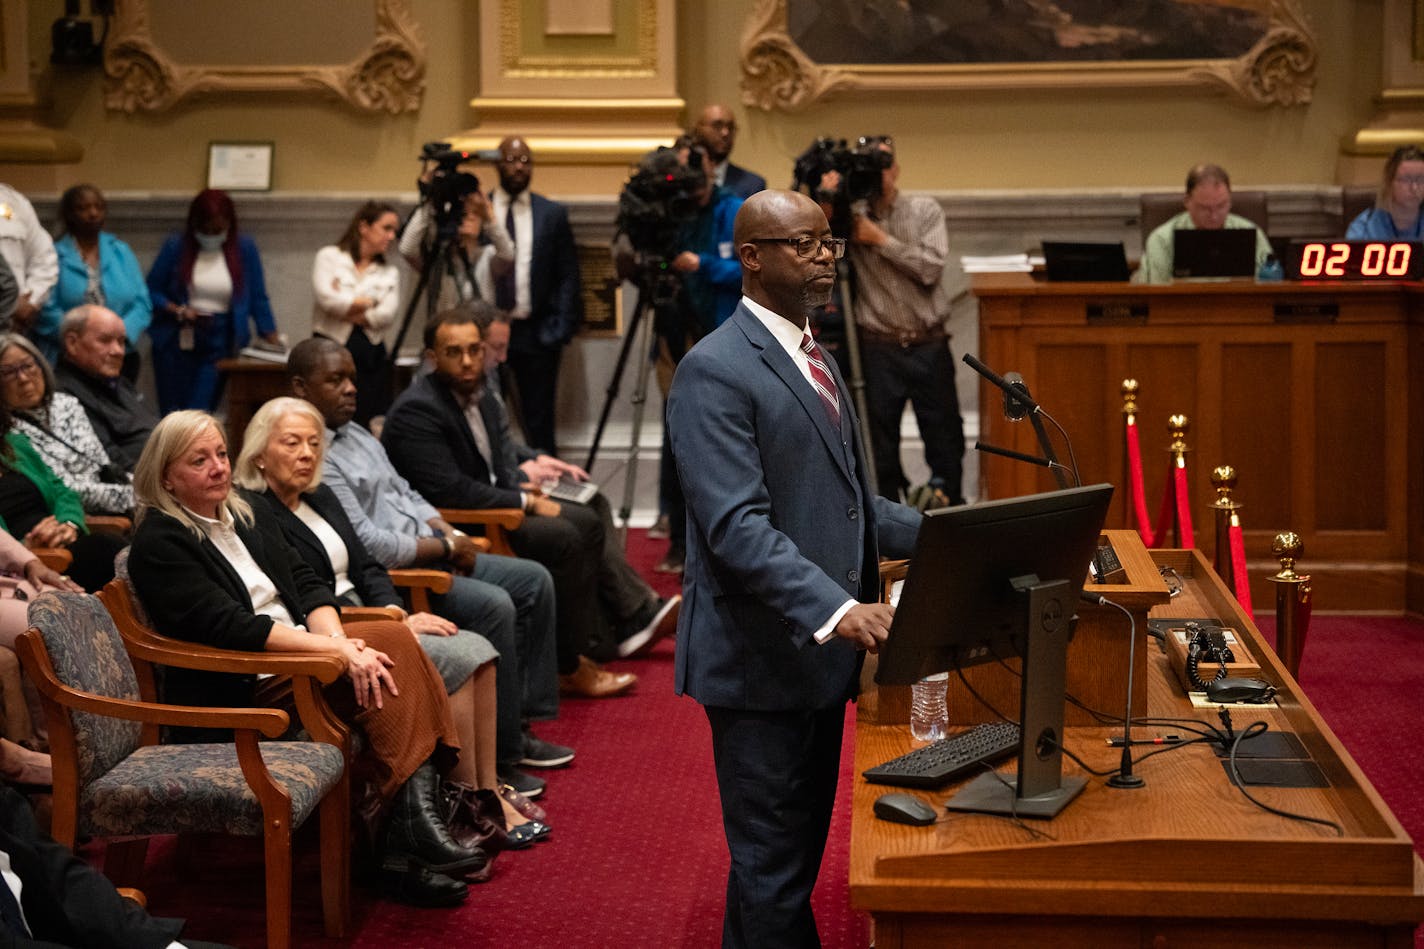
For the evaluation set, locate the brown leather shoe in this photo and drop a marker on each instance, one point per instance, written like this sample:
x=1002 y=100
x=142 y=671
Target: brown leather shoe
x=592 y=681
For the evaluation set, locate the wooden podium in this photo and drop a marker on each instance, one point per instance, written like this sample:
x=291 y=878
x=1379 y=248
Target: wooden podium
x=1185 y=861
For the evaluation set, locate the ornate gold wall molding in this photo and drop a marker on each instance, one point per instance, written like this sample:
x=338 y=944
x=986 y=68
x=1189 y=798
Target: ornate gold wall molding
x=516 y=62
x=777 y=74
x=388 y=76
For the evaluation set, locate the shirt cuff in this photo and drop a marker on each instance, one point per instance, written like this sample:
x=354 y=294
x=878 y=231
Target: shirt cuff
x=828 y=628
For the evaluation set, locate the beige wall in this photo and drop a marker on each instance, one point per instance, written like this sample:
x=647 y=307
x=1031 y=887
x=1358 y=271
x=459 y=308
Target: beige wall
x=948 y=141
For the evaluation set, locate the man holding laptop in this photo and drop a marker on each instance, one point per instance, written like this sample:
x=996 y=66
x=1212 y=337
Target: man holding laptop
x=1207 y=208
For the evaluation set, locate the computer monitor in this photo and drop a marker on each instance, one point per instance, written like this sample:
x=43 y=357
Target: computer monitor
x=1224 y=252
x=990 y=581
x=1084 y=261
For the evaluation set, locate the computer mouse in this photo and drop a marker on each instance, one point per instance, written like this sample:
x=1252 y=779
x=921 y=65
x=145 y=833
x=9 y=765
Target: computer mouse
x=904 y=809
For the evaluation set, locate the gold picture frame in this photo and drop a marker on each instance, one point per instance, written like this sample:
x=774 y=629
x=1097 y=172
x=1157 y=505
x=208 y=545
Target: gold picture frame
x=1278 y=70
x=387 y=76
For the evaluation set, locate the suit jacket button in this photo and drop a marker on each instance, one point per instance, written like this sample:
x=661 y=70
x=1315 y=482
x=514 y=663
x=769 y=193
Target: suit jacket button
x=852 y=513
x=853 y=576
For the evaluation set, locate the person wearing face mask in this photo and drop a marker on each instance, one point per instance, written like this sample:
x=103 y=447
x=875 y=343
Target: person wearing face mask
x=94 y=267
x=357 y=295
x=206 y=286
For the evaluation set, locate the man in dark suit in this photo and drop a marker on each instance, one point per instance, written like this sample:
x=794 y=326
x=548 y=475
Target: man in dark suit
x=716 y=131
x=66 y=902
x=543 y=294
x=780 y=589
x=447 y=436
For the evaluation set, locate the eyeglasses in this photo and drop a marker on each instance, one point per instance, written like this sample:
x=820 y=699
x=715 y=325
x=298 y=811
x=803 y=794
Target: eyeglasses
x=474 y=351
x=1414 y=181
x=515 y=160
x=808 y=246
x=15 y=370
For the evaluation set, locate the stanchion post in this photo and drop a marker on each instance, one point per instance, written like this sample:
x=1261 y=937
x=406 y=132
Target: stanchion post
x=1129 y=413
x=1223 y=479
x=1177 y=426
x=1292 y=601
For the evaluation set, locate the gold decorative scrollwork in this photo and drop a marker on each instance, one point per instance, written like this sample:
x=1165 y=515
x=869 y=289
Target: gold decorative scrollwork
x=1279 y=69
x=389 y=76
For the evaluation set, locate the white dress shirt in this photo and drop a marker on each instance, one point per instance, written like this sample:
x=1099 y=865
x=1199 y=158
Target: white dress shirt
x=523 y=245
x=260 y=588
x=26 y=246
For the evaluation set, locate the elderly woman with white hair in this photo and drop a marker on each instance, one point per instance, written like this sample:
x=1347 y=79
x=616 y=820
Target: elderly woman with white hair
x=210 y=568
x=280 y=467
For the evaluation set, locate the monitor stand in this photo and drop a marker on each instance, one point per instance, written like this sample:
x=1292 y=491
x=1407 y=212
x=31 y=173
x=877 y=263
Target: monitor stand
x=1039 y=790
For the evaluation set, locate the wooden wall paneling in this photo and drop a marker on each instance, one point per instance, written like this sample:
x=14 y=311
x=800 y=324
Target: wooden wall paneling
x=1350 y=449
x=1256 y=379
x=1165 y=368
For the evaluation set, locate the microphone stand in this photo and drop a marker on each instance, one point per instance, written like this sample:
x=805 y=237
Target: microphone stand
x=1124 y=777
x=1016 y=394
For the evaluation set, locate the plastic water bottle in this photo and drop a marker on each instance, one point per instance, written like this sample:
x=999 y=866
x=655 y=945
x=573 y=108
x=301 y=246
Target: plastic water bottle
x=929 y=716
x=1271 y=270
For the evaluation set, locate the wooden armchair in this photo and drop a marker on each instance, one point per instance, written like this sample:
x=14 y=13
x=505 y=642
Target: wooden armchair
x=113 y=779
x=56 y=558
x=109 y=524
x=496 y=522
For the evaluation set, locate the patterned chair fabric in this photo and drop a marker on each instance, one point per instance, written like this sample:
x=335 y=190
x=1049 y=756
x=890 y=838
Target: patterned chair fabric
x=128 y=789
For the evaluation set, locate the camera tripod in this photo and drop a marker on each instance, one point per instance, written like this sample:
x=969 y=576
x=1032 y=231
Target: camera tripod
x=652 y=290
x=437 y=256
x=845 y=274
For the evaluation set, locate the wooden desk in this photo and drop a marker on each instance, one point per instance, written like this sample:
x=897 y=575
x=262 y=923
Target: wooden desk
x=250 y=383
x=1314 y=393
x=1186 y=859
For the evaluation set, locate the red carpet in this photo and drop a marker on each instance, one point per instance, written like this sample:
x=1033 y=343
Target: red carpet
x=637 y=856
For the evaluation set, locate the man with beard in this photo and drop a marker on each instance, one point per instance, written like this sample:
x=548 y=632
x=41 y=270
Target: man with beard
x=542 y=294
x=782 y=582
x=716 y=131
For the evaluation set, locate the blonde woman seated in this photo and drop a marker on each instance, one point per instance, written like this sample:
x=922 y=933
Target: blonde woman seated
x=280 y=468
x=210 y=568
x=59 y=430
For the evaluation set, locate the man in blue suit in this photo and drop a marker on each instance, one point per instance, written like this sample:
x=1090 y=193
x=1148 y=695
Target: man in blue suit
x=543 y=294
x=716 y=131
x=782 y=578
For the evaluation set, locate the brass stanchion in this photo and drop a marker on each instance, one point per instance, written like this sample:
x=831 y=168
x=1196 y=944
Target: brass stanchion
x=1178 y=426
x=1292 y=601
x=1129 y=411
x=1223 y=479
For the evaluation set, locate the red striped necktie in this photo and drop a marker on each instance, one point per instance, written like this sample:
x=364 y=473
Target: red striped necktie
x=822 y=380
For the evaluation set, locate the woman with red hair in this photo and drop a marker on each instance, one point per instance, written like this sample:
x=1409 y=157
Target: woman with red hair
x=206 y=287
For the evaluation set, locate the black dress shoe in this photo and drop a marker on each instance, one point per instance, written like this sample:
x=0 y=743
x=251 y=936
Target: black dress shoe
x=524 y=835
x=418 y=886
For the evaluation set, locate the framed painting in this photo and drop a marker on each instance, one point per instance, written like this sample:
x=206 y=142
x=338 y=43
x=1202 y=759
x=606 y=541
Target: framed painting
x=369 y=54
x=798 y=52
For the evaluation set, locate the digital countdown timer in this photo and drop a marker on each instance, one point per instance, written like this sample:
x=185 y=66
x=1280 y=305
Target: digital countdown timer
x=1355 y=260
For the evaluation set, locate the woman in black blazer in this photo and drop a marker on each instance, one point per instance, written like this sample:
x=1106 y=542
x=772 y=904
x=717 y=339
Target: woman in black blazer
x=280 y=469
x=210 y=568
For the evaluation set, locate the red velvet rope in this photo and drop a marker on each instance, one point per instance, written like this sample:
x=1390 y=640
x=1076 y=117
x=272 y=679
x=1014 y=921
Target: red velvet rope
x=1139 y=493
x=1302 y=623
x=1184 y=504
x=1238 y=567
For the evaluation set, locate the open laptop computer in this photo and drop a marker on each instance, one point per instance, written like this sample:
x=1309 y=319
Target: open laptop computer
x=1226 y=252
x=1084 y=261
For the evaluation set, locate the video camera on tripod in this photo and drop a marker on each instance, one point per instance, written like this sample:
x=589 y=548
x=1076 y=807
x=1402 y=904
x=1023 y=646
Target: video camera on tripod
x=657 y=201
x=858 y=167
x=447 y=186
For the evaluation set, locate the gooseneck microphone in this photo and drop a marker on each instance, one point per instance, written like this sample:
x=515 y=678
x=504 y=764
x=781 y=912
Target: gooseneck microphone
x=1014 y=403
x=1124 y=777
x=1012 y=393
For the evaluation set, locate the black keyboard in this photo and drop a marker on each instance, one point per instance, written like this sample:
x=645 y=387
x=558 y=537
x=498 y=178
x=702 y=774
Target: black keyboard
x=949 y=758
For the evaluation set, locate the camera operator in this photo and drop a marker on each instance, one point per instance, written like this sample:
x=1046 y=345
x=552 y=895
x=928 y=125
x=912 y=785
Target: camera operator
x=455 y=220
x=898 y=247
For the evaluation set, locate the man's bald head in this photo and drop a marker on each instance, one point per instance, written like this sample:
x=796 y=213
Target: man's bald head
x=773 y=273
x=716 y=129
x=516 y=164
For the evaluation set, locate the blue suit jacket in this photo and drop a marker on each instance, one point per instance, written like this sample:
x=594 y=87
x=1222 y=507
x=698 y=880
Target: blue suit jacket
x=249 y=298
x=782 y=527
x=741 y=182
x=555 y=286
